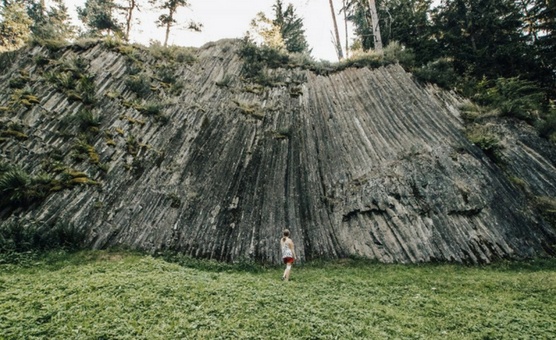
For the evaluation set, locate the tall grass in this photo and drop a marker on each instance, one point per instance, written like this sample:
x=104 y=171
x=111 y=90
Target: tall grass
x=101 y=295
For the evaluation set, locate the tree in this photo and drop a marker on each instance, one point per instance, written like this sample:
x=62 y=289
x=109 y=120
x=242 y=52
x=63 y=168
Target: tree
x=268 y=31
x=132 y=5
x=375 y=25
x=365 y=18
x=100 y=16
x=482 y=36
x=336 y=37
x=50 y=23
x=168 y=20
x=407 y=22
x=285 y=30
x=291 y=28
x=15 y=26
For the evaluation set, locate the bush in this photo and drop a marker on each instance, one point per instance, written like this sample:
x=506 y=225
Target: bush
x=86 y=87
x=256 y=59
x=172 y=53
x=139 y=84
x=485 y=139
x=513 y=97
x=21 y=189
x=547 y=125
x=151 y=109
x=23 y=236
x=86 y=120
x=440 y=72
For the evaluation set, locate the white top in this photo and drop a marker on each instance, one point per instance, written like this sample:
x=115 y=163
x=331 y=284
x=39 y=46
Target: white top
x=286 y=251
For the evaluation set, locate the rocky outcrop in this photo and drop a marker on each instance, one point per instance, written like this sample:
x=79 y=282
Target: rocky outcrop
x=201 y=160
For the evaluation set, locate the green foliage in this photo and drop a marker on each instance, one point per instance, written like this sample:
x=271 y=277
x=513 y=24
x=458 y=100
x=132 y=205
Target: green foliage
x=547 y=125
x=7 y=59
x=139 y=84
x=547 y=207
x=18 y=236
x=99 y=17
x=183 y=55
x=18 y=82
x=86 y=88
x=440 y=72
x=513 y=97
x=19 y=188
x=86 y=120
x=51 y=24
x=50 y=297
x=258 y=59
x=291 y=28
x=151 y=109
x=166 y=74
x=485 y=139
x=14 y=26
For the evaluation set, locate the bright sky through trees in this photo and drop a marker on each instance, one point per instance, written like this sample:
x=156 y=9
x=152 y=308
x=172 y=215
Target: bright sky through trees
x=231 y=19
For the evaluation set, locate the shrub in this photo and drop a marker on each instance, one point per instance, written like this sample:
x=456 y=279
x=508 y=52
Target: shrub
x=166 y=74
x=256 y=59
x=547 y=125
x=395 y=52
x=23 y=236
x=440 y=72
x=151 y=109
x=86 y=87
x=86 y=120
x=21 y=189
x=172 y=53
x=485 y=139
x=547 y=206
x=139 y=84
x=513 y=97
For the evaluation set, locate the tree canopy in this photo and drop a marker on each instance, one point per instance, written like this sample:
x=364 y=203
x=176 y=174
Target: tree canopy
x=284 y=30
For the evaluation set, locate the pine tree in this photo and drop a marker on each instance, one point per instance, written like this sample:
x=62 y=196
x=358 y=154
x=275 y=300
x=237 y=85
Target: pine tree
x=285 y=30
x=291 y=28
x=50 y=23
x=100 y=16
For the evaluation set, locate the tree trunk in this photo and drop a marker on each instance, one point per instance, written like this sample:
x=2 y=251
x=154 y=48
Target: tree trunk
x=168 y=25
x=346 y=28
x=129 y=17
x=337 y=43
x=376 y=27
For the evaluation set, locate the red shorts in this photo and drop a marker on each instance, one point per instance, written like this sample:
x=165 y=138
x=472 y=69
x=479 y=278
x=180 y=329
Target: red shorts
x=287 y=260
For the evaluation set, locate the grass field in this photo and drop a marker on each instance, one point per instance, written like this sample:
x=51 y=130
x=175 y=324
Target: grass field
x=122 y=295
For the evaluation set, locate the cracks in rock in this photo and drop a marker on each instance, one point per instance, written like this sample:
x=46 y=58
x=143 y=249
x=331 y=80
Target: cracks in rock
x=466 y=212
x=369 y=211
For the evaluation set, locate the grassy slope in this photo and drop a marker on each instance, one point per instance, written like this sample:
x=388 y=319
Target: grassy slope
x=127 y=296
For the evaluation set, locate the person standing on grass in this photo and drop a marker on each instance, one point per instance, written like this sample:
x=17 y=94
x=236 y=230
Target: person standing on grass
x=288 y=253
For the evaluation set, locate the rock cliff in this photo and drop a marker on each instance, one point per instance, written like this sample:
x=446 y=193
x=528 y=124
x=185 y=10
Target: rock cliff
x=180 y=151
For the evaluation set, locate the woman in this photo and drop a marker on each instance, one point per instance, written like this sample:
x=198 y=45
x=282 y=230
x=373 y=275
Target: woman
x=288 y=253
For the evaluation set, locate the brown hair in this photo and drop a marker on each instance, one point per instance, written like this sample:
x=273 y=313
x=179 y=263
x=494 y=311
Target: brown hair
x=286 y=233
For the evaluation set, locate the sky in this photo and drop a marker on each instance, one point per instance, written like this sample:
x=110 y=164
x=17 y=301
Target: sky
x=231 y=19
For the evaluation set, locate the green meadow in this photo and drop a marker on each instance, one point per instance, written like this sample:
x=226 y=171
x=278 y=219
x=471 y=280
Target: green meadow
x=125 y=295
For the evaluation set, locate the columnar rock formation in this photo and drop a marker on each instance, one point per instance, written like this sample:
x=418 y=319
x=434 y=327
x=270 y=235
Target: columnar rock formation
x=357 y=162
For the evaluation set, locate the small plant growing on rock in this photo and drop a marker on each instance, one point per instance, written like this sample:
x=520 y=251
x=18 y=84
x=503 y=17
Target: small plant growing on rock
x=139 y=84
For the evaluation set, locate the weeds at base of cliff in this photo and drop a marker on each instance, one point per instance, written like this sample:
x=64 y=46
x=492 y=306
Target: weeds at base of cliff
x=240 y=265
x=22 y=240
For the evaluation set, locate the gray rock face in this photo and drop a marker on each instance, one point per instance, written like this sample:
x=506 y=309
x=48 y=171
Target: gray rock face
x=359 y=162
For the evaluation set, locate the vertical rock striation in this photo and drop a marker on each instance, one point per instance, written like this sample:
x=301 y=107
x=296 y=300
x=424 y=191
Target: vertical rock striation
x=359 y=162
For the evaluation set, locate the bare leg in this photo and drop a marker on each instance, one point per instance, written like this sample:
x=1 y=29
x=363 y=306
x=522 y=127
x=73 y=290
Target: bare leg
x=287 y=272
